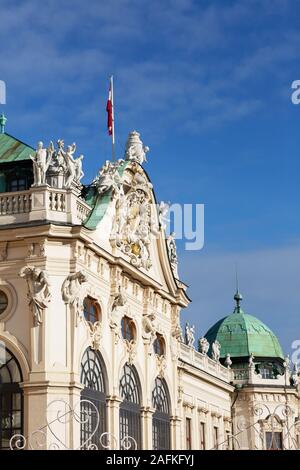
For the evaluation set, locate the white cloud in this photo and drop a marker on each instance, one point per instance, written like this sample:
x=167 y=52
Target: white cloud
x=172 y=59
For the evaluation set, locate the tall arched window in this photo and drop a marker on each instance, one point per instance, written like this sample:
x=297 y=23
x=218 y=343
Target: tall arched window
x=93 y=379
x=130 y=408
x=161 y=416
x=11 y=398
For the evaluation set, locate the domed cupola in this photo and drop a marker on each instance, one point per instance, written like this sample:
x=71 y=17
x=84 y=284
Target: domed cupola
x=242 y=335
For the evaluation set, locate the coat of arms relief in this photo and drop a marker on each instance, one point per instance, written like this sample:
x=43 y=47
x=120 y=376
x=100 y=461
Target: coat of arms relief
x=132 y=224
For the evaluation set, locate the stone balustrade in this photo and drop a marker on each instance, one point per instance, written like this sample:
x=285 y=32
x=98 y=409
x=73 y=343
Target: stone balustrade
x=15 y=203
x=241 y=374
x=83 y=210
x=205 y=363
x=43 y=203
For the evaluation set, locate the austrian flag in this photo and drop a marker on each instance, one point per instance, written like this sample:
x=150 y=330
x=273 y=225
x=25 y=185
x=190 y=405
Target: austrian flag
x=110 y=110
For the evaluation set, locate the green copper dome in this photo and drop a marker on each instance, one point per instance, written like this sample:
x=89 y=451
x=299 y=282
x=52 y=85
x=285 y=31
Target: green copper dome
x=241 y=334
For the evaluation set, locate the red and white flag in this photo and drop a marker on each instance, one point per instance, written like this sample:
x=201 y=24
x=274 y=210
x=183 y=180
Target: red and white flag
x=110 y=109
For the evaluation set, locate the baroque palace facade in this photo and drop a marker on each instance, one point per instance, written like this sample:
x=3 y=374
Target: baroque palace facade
x=92 y=353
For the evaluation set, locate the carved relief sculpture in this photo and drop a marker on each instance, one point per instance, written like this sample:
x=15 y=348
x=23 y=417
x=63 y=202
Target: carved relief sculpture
x=73 y=293
x=131 y=350
x=149 y=326
x=132 y=224
x=109 y=178
x=119 y=300
x=38 y=294
x=172 y=251
x=95 y=334
x=161 y=364
x=117 y=303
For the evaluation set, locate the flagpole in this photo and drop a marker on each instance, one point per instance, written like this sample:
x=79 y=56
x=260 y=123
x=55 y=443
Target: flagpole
x=113 y=117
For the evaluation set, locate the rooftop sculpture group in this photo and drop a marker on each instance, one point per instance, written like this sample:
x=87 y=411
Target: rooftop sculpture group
x=56 y=167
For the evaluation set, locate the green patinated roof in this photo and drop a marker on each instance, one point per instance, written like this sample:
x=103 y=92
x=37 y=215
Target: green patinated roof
x=99 y=202
x=241 y=334
x=12 y=150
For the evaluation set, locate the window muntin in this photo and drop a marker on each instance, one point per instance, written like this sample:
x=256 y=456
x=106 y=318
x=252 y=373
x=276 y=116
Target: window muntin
x=129 y=387
x=161 y=416
x=92 y=396
x=130 y=410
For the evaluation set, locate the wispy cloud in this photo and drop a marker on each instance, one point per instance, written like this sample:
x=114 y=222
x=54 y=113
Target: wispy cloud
x=171 y=59
x=182 y=68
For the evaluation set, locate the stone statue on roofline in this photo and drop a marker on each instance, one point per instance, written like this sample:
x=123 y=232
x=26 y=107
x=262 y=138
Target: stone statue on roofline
x=228 y=361
x=295 y=375
x=57 y=167
x=287 y=361
x=109 y=178
x=163 y=210
x=203 y=345
x=41 y=161
x=135 y=149
x=189 y=334
x=216 y=350
x=251 y=361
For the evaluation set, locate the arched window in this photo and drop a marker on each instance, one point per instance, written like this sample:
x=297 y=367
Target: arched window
x=161 y=417
x=159 y=345
x=128 y=328
x=130 y=413
x=11 y=397
x=92 y=377
x=91 y=310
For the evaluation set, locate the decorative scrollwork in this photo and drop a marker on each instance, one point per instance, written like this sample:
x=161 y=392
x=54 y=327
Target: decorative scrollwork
x=61 y=413
x=128 y=443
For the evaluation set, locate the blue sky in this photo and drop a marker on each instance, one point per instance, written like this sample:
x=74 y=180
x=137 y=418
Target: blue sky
x=208 y=85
